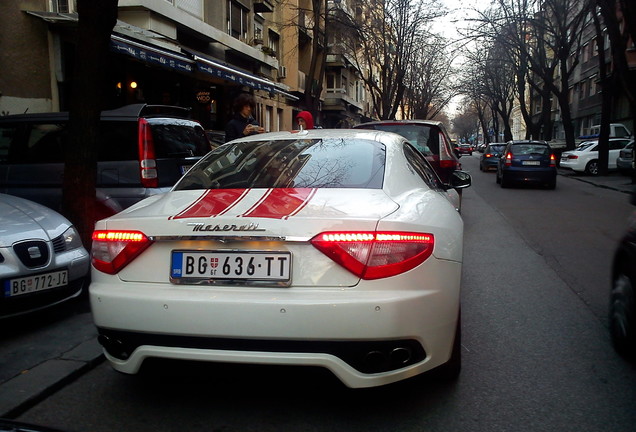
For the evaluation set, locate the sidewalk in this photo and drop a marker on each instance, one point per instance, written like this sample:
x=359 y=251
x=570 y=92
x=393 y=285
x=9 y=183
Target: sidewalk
x=614 y=180
x=36 y=366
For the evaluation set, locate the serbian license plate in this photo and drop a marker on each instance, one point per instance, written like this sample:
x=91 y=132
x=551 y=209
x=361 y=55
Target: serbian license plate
x=257 y=266
x=30 y=284
x=530 y=162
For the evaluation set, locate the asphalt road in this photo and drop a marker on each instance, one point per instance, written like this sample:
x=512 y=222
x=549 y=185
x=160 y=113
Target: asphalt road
x=536 y=353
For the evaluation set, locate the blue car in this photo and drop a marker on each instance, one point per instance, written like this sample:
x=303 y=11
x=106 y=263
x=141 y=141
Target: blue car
x=490 y=157
x=527 y=162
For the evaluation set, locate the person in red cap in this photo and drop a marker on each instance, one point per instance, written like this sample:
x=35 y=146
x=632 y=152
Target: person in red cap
x=305 y=120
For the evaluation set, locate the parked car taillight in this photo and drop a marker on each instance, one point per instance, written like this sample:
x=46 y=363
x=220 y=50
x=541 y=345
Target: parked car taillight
x=375 y=255
x=508 y=159
x=571 y=156
x=147 y=161
x=114 y=250
x=552 y=161
x=448 y=163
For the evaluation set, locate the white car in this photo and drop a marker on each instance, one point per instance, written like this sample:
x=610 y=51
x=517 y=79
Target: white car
x=42 y=260
x=332 y=248
x=584 y=158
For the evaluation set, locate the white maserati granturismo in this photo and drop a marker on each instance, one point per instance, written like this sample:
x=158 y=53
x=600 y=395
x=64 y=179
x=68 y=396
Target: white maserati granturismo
x=331 y=248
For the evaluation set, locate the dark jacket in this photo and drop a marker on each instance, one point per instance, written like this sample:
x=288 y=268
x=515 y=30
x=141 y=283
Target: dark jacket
x=235 y=127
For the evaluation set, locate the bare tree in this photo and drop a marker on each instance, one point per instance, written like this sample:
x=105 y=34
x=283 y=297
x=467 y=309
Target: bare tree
x=429 y=87
x=386 y=41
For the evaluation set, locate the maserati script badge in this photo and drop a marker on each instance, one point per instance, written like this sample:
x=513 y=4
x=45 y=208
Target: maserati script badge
x=197 y=226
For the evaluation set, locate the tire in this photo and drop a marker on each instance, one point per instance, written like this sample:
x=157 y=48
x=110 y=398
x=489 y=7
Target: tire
x=592 y=167
x=551 y=185
x=622 y=316
x=450 y=370
x=504 y=183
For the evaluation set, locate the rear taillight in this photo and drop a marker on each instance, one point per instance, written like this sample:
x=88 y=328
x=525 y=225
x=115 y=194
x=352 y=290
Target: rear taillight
x=147 y=161
x=573 y=157
x=114 y=250
x=552 y=161
x=448 y=163
x=375 y=255
x=487 y=155
x=508 y=159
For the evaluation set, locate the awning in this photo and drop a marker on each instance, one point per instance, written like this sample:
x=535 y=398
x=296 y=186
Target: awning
x=228 y=73
x=151 y=54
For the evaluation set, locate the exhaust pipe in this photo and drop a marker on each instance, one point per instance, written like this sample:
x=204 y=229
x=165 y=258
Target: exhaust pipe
x=400 y=356
x=114 y=347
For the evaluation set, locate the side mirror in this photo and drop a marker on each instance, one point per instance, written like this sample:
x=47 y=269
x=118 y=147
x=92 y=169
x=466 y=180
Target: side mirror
x=460 y=180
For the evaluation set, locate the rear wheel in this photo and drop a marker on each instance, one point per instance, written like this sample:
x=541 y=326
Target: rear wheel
x=623 y=313
x=592 y=167
x=451 y=369
x=503 y=181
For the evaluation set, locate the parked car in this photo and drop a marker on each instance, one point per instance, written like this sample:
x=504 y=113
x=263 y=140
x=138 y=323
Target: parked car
x=625 y=159
x=143 y=150
x=429 y=137
x=465 y=149
x=584 y=158
x=622 y=312
x=42 y=260
x=491 y=155
x=527 y=162
x=289 y=248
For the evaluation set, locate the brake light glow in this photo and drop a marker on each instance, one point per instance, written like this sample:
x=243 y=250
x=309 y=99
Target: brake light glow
x=147 y=161
x=113 y=250
x=488 y=155
x=552 y=161
x=447 y=163
x=508 y=159
x=376 y=255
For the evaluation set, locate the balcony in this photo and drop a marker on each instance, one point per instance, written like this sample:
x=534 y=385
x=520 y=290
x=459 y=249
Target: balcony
x=263 y=6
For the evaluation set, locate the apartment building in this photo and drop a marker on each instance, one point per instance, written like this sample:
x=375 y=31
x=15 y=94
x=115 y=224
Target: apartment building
x=193 y=53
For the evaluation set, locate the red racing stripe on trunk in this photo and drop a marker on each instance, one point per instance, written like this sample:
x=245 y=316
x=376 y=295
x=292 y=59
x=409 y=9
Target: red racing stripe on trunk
x=281 y=203
x=212 y=203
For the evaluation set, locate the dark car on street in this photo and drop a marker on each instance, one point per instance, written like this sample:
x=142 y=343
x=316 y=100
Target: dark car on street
x=527 y=162
x=142 y=150
x=465 y=149
x=427 y=136
x=491 y=155
x=622 y=314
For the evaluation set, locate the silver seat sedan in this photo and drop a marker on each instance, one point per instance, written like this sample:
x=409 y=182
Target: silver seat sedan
x=332 y=248
x=42 y=260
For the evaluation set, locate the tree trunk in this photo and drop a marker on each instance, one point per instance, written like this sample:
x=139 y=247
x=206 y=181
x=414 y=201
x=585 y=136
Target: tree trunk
x=96 y=21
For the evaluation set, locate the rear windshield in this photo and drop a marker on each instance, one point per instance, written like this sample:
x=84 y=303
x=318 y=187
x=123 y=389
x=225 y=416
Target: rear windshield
x=302 y=163
x=178 y=138
x=496 y=148
x=423 y=137
x=530 y=149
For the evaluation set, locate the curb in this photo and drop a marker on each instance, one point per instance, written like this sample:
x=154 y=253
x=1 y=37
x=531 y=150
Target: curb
x=34 y=385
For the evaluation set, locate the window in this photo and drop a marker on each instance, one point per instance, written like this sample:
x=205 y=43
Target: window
x=301 y=163
x=237 y=17
x=273 y=42
x=422 y=168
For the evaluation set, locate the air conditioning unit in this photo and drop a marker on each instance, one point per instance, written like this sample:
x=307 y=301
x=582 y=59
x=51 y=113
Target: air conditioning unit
x=282 y=72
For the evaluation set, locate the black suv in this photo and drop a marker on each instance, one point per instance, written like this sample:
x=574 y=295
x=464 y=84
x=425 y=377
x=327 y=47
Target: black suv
x=143 y=150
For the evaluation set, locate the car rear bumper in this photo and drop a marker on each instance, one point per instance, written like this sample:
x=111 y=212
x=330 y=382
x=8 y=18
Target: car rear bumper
x=535 y=175
x=365 y=337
